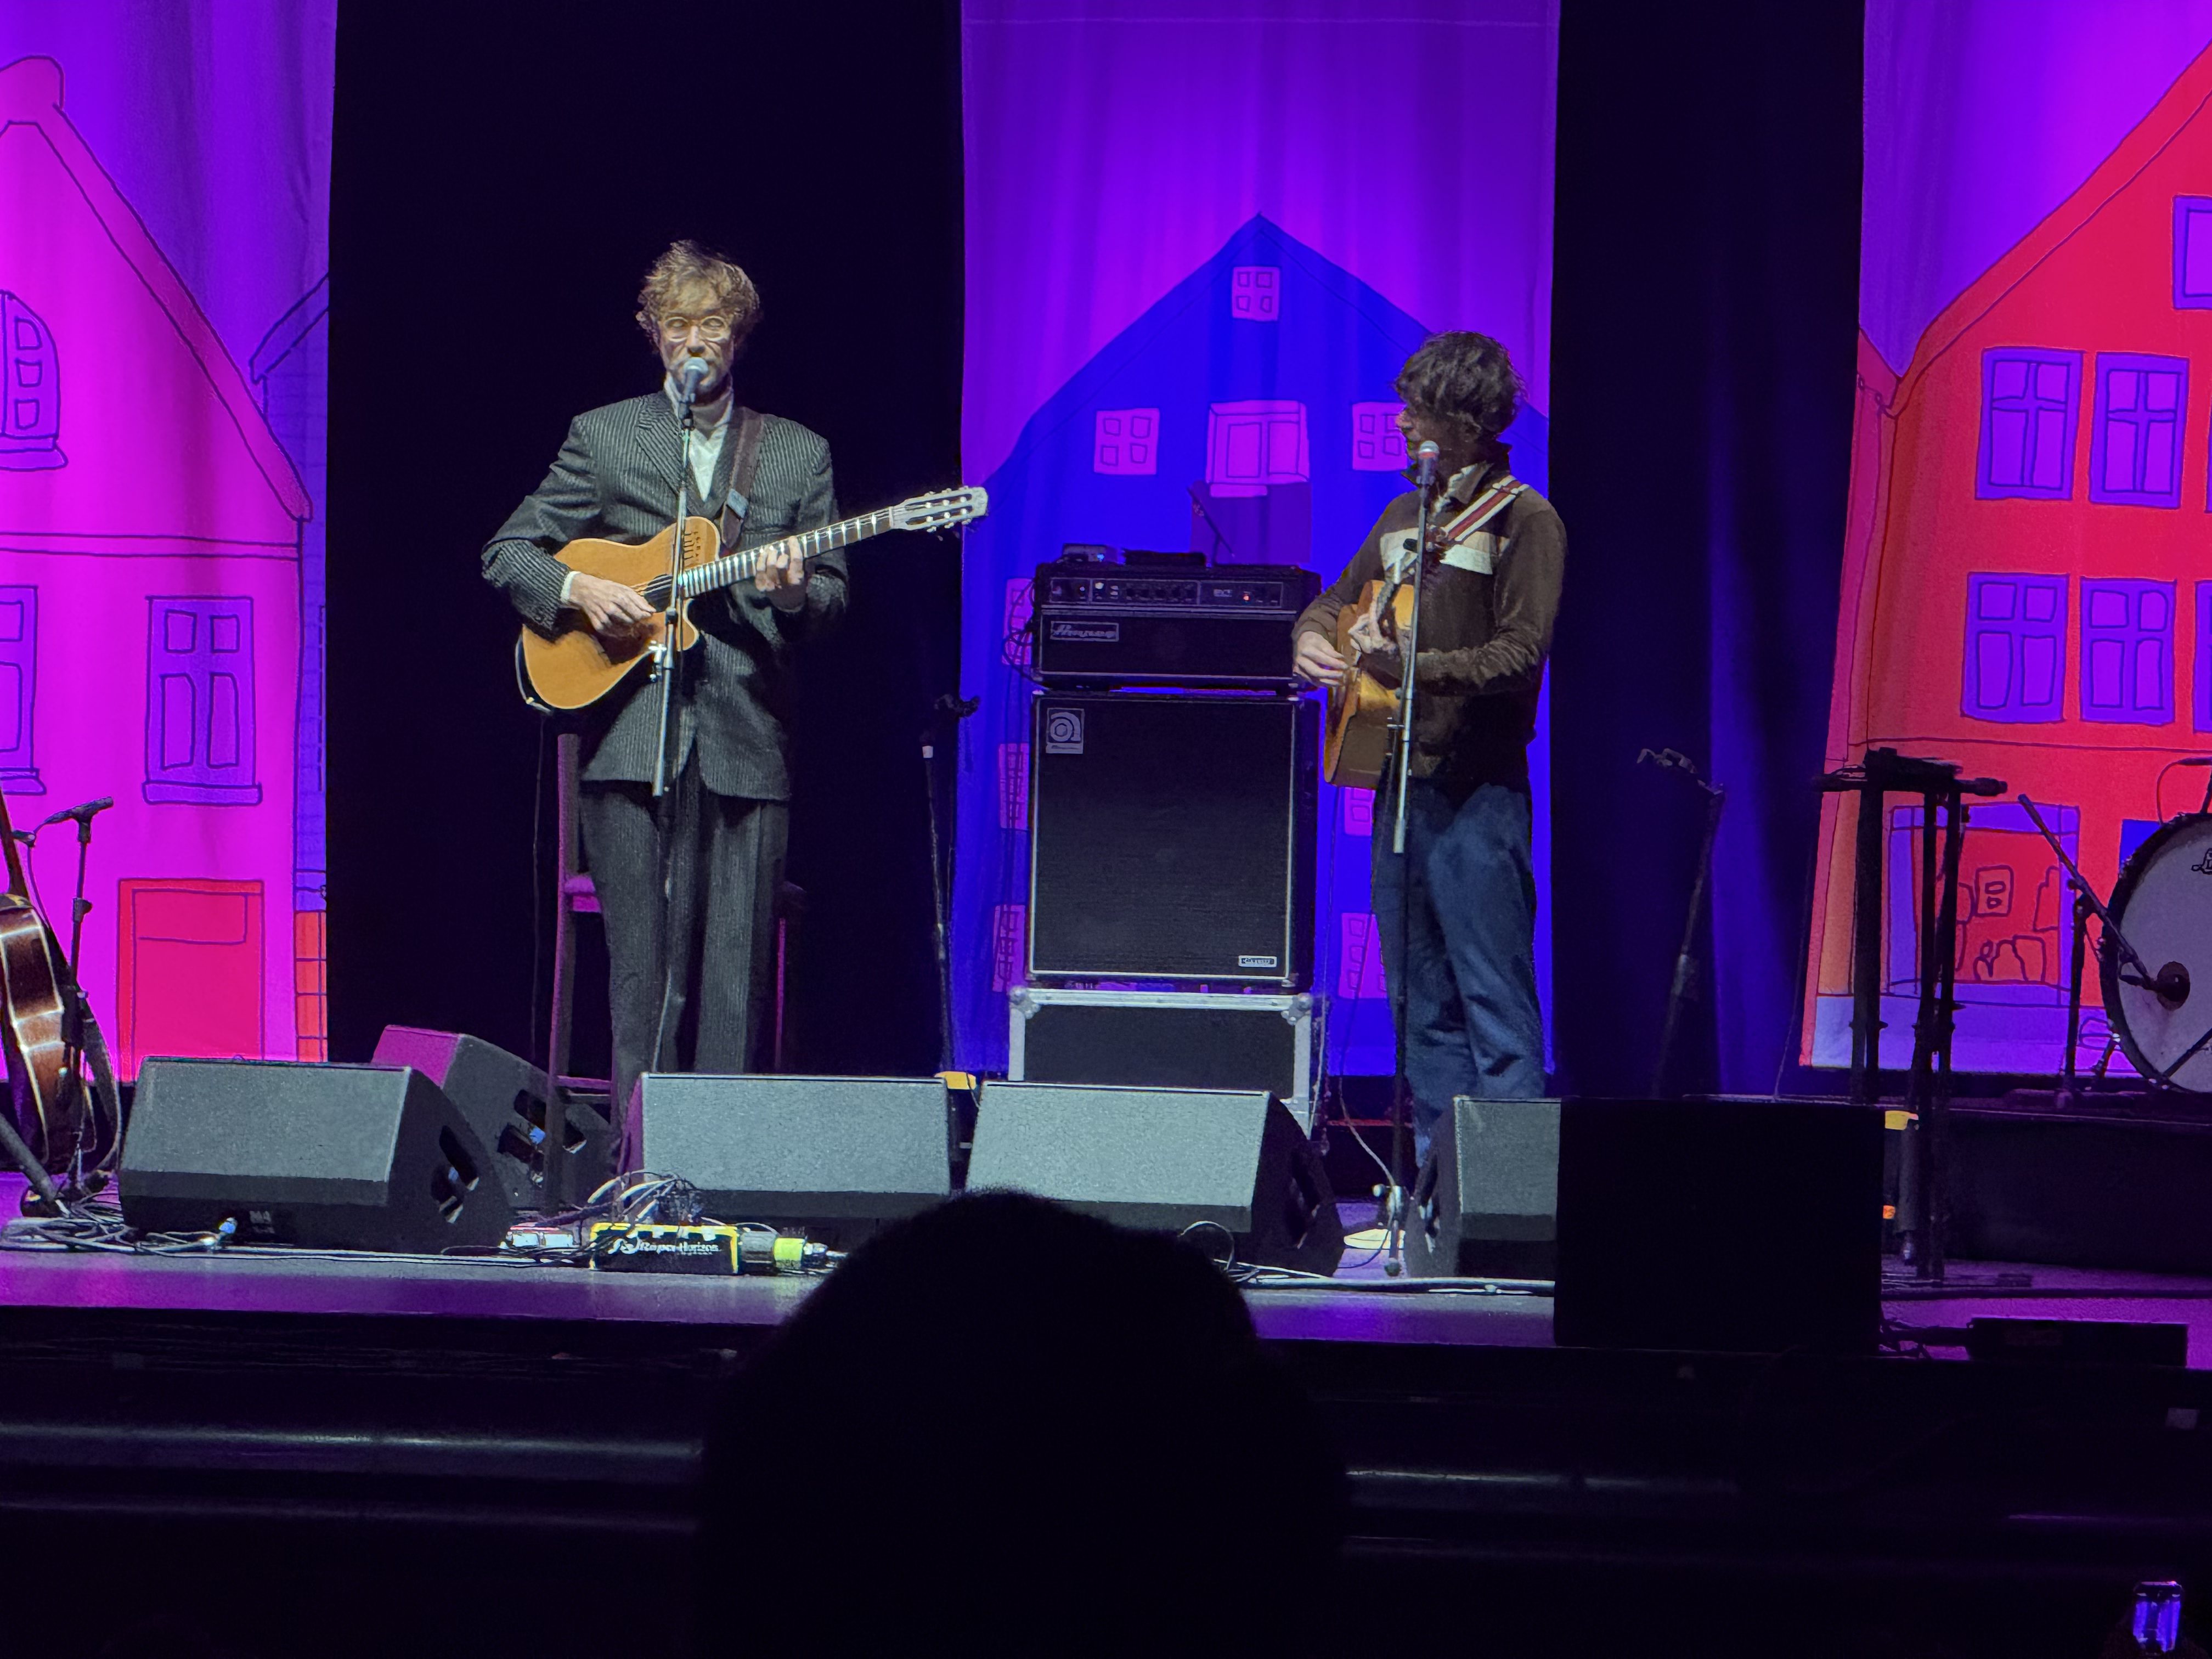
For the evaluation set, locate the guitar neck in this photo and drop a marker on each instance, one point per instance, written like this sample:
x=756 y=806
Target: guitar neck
x=810 y=544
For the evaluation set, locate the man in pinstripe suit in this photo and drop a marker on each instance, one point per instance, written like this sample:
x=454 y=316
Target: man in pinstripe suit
x=703 y=1004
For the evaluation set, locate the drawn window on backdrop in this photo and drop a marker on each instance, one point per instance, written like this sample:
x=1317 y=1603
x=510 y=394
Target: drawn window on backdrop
x=19 y=685
x=2030 y=400
x=1255 y=442
x=2127 y=651
x=199 y=701
x=30 y=391
x=2016 y=659
x=2192 y=252
x=2135 y=448
x=2202 y=673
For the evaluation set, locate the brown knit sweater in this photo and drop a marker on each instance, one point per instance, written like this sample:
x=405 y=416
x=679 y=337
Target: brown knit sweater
x=1484 y=637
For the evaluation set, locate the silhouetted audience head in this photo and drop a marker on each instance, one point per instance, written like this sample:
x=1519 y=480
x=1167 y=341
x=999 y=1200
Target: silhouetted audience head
x=1002 y=1426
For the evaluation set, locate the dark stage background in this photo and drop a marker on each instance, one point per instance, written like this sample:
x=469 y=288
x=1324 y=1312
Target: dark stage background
x=503 y=177
x=500 y=184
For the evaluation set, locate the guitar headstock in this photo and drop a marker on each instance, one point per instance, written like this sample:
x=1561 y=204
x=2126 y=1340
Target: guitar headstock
x=942 y=509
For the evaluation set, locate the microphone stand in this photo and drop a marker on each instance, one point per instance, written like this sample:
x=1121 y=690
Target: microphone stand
x=667 y=663
x=1409 y=657
x=946 y=715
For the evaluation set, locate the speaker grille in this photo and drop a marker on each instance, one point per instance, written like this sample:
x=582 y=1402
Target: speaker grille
x=1172 y=838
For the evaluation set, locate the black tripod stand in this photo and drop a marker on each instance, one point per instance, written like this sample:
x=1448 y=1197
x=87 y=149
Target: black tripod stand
x=1923 y=1192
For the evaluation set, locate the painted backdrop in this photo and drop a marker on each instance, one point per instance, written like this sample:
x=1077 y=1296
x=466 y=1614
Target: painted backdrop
x=164 y=204
x=2027 y=573
x=1202 y=237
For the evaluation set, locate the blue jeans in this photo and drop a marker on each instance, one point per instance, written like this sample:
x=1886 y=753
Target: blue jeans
x=1472 y=1025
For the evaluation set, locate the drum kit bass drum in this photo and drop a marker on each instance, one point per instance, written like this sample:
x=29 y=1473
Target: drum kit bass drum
x=2162 y=1017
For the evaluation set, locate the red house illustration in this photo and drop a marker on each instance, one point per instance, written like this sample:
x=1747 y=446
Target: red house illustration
x=2027 y=583
x=150 y=532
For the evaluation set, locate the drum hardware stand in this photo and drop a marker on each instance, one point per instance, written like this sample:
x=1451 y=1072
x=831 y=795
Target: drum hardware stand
x=1689 y=976
x=2170 y=983
x=1924 y=1205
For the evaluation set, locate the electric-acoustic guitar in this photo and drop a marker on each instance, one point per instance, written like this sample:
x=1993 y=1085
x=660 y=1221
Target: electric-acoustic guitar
x=573 y=667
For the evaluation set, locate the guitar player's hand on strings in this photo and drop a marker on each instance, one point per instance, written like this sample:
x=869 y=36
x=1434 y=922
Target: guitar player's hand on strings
x=1380 y=651
x=612 y=609
x=1316 y=661
x=782 y=577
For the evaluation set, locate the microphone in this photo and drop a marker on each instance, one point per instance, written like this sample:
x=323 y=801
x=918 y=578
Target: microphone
x=83 y=814
x=689 y=377
x=1426 y=455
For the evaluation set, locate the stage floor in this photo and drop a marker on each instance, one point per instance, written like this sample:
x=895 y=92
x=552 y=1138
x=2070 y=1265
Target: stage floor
x=1360 y=1305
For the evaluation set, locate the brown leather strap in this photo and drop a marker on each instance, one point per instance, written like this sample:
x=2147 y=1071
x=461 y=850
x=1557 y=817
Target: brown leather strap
x=745 y=466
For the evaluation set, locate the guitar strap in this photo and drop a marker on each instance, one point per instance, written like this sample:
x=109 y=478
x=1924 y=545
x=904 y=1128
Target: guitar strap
x=745 y=467
x=1457 y=532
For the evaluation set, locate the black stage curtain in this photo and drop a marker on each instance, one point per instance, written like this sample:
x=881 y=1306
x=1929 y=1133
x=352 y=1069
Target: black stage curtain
x=503 y=175
x=1704 y=316
x=501 y=178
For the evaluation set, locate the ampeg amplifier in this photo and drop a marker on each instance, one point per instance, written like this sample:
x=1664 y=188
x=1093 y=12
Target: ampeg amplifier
x=1225 y=624
x=1172 y=838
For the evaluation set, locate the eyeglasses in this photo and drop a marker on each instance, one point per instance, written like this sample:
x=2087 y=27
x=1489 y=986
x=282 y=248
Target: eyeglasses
x=716 y=327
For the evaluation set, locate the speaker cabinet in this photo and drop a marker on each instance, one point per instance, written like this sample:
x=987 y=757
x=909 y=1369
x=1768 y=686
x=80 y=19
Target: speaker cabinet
x=361 y=1158
x=503 y=1097
x=1486 y=1203
x=838 y=1156
x=1172 y=838
x=1162 y=1159
x=1735 y=1225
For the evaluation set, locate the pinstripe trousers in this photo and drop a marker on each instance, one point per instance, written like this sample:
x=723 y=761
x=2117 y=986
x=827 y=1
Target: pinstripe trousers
x=725 y=870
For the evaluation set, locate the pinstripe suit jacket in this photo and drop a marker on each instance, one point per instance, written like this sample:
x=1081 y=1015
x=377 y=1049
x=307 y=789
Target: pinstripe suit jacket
x=615 y=477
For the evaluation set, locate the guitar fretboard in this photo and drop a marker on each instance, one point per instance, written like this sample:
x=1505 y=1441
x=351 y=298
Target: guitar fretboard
x=809 y=545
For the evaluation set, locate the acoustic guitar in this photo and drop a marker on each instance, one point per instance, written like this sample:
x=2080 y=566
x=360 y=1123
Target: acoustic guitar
x=57 y=1123
x=1362 y=708
x=573 y=667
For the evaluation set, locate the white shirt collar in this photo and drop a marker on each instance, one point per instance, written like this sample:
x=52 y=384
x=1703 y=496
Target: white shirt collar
x=706 y=427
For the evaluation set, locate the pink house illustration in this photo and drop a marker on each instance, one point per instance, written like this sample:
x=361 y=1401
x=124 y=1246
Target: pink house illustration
x=151 y=531
x=2028 y=584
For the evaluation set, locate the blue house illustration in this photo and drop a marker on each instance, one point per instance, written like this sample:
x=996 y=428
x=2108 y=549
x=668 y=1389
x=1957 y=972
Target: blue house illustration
x=1247 y=413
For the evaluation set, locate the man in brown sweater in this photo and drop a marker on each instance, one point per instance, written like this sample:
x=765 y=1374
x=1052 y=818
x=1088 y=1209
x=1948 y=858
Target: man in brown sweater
x=1460 y=908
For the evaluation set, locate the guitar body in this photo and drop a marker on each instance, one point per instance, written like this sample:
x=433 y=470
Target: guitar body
x=1360 y=707
x=574 y=668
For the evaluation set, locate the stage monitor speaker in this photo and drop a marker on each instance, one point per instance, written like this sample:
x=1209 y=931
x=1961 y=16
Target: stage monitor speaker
x=838 y=1156
x=1486 y=1203
x=1164 y=1159
x=358 y=1157
x=1172 y=838
x=1735 y=1225
x=503 y=1097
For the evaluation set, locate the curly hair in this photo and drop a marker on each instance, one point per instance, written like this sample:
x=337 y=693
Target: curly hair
x=1465 y=381
x=687 y=265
